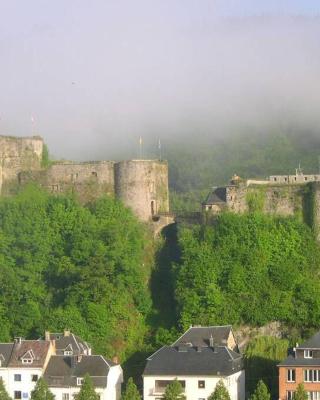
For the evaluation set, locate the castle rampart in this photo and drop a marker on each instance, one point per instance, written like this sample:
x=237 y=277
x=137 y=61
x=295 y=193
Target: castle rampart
x=141 y=185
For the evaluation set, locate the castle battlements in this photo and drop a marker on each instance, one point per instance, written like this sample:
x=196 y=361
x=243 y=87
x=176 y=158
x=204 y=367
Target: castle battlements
x=141 y=185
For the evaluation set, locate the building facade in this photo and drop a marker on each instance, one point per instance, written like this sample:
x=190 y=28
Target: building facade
x=199 y=359
x=301 y=366
x=63 y=359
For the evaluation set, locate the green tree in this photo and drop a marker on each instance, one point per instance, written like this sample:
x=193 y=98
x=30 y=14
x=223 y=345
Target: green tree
x=174 y=391
x=41 y=391
x=220 y=392
x=261 y=392
x=87 y=391
x=300 y=393
x=131 y=392
x=3 y=393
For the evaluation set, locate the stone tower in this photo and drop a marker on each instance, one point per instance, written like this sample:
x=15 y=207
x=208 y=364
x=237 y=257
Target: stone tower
x=17 y=155
x=142 y=185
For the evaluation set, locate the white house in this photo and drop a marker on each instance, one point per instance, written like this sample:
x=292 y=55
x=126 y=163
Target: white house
x=63 y=359
x=22 y=363
x=198 y=360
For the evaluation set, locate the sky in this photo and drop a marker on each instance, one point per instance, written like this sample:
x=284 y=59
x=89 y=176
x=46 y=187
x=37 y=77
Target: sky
x=92 y=77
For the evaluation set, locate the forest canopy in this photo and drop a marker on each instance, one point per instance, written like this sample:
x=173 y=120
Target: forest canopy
x=64 y=265
x=248 y=269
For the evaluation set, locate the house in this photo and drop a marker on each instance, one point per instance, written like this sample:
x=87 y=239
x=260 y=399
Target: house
x=63 y=359
x=301 y=366
x=198 y=360
x=22 y=363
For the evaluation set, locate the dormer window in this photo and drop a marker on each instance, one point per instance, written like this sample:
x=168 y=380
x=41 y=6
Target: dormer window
x=68 y=351
x=308 y=354
x=28 y=357
x=27 y=360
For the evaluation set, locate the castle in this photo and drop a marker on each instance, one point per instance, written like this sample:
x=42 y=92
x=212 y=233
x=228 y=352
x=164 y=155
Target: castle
x=285 y=195
x=141 y=185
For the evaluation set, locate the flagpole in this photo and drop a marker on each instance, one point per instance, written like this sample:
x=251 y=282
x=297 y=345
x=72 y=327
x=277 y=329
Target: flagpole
x=159 y=146
x=140 y=147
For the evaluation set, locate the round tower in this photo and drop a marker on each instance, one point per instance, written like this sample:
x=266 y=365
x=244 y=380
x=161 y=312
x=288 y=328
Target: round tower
x=142 y=185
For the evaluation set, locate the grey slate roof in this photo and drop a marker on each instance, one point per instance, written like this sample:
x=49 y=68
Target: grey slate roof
x=200 y=336
x=312 y=343
x=193 y=361
x=292 y=361
x=218 y=195
x=5 y=351
x=63 y=371
x=62 y=342
x=39 y=349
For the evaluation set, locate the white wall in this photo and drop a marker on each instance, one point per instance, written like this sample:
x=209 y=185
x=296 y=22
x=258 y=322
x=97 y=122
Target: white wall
x=234 y=383
x=111 y=392
x=25 y=386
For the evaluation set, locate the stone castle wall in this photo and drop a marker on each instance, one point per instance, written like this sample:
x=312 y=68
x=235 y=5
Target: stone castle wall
x=141 y=185
x=17 y=155
x=150 y=180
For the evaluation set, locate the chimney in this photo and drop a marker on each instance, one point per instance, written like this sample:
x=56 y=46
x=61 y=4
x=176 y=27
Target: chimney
x=18 y=340
x=47 y=336
x=211 y=341
x=66 y=333
x=79 y=358
x=115 y=359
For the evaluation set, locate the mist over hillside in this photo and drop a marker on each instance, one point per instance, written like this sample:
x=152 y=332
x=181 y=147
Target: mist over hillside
x=184 y=74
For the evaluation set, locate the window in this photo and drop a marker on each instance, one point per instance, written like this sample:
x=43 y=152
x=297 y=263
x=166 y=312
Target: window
x=160 y=385
x=27 y=361
x=68 y=352
x=308 y=354
x=79 y=381
x=201 y=384
x=291 y=375
x=17 y=377
x=290 y=394
x=34 y=378
x=312 y=375
x=65 y=396
x=17 y=394
x=313 y=395
x=93 y=173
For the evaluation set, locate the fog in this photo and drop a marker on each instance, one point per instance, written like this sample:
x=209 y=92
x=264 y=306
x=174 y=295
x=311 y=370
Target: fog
x=96 y=76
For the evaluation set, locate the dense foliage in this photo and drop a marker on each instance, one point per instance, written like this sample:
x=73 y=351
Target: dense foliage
x=65 y=265
x=87 y=391
x=3 y=393
x=248 y=269
x=261 y=392
x=174 y=391
x=41 y=391
x=261 y=358
x=300 y=393
x=131 y=392
x=220 y=392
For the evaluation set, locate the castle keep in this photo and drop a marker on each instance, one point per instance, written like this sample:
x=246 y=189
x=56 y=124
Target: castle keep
x=141 y=185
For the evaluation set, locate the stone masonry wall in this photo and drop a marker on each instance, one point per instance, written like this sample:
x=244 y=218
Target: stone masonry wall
x=143 y=186
x=18 y=154
x=280 y=200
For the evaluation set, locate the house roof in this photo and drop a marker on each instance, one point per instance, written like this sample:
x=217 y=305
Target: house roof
x=69 y=342
x=312 y=343
x=184 y=360
x=218 y=195
x=291 y=361
x=63 y=371
x=5 y=352
x=200 y=336
x=22 y=349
